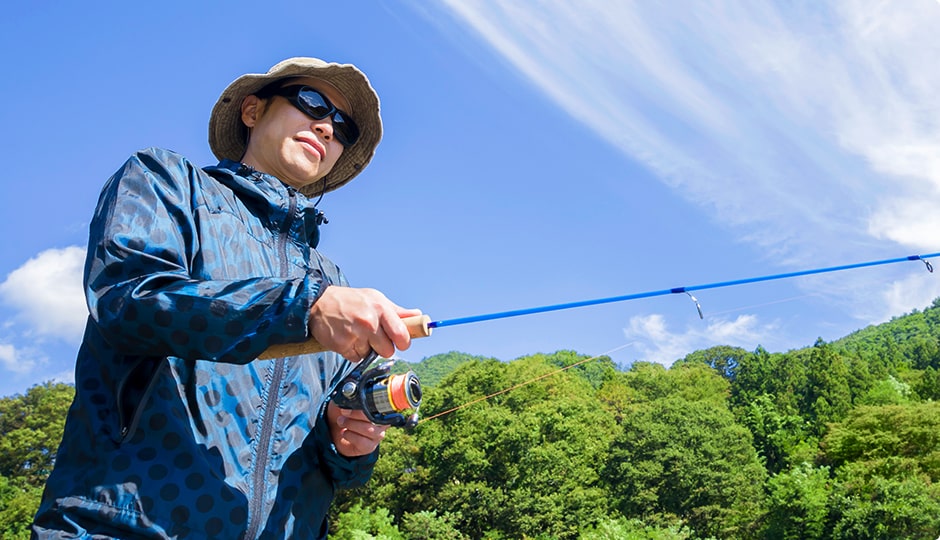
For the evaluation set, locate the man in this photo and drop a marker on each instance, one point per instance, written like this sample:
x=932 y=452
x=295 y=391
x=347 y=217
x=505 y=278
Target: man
x=177 y=430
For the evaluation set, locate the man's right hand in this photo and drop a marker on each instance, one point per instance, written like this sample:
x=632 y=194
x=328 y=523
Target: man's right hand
x=351 y=321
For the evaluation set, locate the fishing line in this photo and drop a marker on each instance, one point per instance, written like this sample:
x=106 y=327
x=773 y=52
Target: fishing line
x=764 y=304
x=676 y=290
x=524 y=383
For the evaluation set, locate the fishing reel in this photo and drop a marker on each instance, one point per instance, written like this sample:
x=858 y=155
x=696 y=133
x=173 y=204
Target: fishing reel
x=385 y=399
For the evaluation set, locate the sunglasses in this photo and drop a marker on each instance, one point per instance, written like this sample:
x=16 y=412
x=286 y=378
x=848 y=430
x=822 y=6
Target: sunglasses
x=316 y=106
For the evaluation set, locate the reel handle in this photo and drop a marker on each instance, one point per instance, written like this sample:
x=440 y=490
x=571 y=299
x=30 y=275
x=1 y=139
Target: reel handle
x=417 y=327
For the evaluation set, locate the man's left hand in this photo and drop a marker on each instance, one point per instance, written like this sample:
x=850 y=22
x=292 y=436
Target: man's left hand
x=353 y=434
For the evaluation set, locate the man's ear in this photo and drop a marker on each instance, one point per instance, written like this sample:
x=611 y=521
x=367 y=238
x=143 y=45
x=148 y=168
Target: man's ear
x=251 y=110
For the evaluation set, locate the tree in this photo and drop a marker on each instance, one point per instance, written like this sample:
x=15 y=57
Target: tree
x=31 y=427
x=828 y=396
x=781 y=437
x=867 y=504
x=521 y=463
x=18 y=504
x=723 y=358
x=928 y=387
x=887 y=472
x=692 y=381
x=360 y=523
x=889 y=391
x=688 y=460
x=880 y=436
x=754 y=376
x=799 y=503
x=634 y=529
x=431 y=526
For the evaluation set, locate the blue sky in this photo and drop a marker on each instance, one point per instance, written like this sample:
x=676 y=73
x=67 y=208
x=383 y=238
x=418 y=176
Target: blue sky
x=535 y=153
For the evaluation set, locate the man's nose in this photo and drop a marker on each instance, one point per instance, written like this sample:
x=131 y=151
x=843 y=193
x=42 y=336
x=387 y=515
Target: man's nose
x=324 y=127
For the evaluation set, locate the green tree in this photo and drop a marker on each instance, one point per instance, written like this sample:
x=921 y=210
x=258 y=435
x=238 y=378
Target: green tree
x=428 y=525
x=677 y=458
x=18 y=504
x=880 y=436
x=521 y=463
x=928 y=385
x=799 y=503
x=723 y=358
x=828 y=396
x=433 y=369
x=887 y=463
x=691 y=381
x=361 y=523
x=781 y=437
x=782 y=376
x=634 y=529
x=31 y=427
x=889 y=391
x=867 y=504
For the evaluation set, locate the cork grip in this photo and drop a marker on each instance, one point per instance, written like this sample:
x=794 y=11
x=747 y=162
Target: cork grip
x=417 y=327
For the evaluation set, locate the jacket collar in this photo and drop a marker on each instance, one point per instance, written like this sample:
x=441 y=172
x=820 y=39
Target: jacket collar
x=270 y=198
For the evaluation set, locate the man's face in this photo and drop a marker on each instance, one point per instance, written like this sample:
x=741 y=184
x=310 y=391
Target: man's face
x=287 y=143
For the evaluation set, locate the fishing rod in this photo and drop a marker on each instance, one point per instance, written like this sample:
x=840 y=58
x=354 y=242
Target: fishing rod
x=385 y=398
x=675 y=290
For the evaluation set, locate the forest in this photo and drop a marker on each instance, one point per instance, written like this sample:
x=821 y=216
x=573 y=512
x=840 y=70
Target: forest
x=837 y=440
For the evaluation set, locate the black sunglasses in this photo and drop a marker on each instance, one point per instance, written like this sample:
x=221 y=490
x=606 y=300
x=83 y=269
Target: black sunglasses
x=316 y=106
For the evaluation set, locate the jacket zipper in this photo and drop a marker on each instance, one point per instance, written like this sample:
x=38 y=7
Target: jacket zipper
x=271 y=404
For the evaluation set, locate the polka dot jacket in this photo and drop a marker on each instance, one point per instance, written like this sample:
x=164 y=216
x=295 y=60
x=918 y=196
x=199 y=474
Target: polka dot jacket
x=177 y=431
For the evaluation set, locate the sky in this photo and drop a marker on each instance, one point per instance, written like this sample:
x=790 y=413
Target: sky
x=535 y=153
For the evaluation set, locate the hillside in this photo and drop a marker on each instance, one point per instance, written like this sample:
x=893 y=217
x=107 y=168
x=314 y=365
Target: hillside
x=834 y=440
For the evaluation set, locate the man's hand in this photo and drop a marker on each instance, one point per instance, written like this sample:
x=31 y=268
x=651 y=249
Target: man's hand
x=351 y=321
x=352 y=433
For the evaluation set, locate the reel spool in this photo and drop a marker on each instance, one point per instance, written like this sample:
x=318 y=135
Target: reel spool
x=385 y=399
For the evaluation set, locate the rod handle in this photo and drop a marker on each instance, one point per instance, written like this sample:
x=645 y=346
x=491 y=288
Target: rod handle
x=417 y=327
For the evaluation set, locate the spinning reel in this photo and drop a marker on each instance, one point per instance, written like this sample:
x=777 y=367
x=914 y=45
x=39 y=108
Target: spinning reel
x=384 y=398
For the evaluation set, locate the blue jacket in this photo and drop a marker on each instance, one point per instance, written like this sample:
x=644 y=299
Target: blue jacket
x=177 y=431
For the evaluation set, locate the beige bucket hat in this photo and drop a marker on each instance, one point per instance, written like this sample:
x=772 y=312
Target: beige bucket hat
x=228 y=136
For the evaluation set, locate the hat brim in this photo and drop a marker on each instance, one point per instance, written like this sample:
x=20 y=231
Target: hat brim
x=228 y=136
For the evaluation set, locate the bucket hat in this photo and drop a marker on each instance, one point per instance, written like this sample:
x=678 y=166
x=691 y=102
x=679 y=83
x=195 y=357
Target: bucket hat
x=228 y=136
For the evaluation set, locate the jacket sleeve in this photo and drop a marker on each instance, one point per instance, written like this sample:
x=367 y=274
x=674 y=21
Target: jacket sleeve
x=345 y=472
x=144 y=290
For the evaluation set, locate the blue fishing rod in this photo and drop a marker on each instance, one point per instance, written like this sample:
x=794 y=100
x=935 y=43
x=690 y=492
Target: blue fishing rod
x=394 y=399
x=676 y=290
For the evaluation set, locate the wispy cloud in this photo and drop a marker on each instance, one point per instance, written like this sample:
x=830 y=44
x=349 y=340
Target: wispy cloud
x=813 y=130
x=657 y=343
x=13 y=362
x=46 y=296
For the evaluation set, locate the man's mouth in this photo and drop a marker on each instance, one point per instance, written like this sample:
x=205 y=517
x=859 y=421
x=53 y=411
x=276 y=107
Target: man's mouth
x=314 y=146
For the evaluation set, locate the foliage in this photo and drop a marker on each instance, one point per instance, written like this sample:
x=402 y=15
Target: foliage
x=799 y=503
x=634 y=529
x=433 y=369
x=885 y=437
x=519 y=463
x=781 y=436
x=31 y=426
x=870 y=504
x=687 y=459
x=889 y=391
x=360 y=523
x=427 y=525
x=833 y=441
x=17 y=506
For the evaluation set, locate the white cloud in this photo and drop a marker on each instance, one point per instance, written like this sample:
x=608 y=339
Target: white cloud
x=813 y=131
x=23 y=362
x=12 y=361
x=903 y=295
x=46 y=294
x=656 y=343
